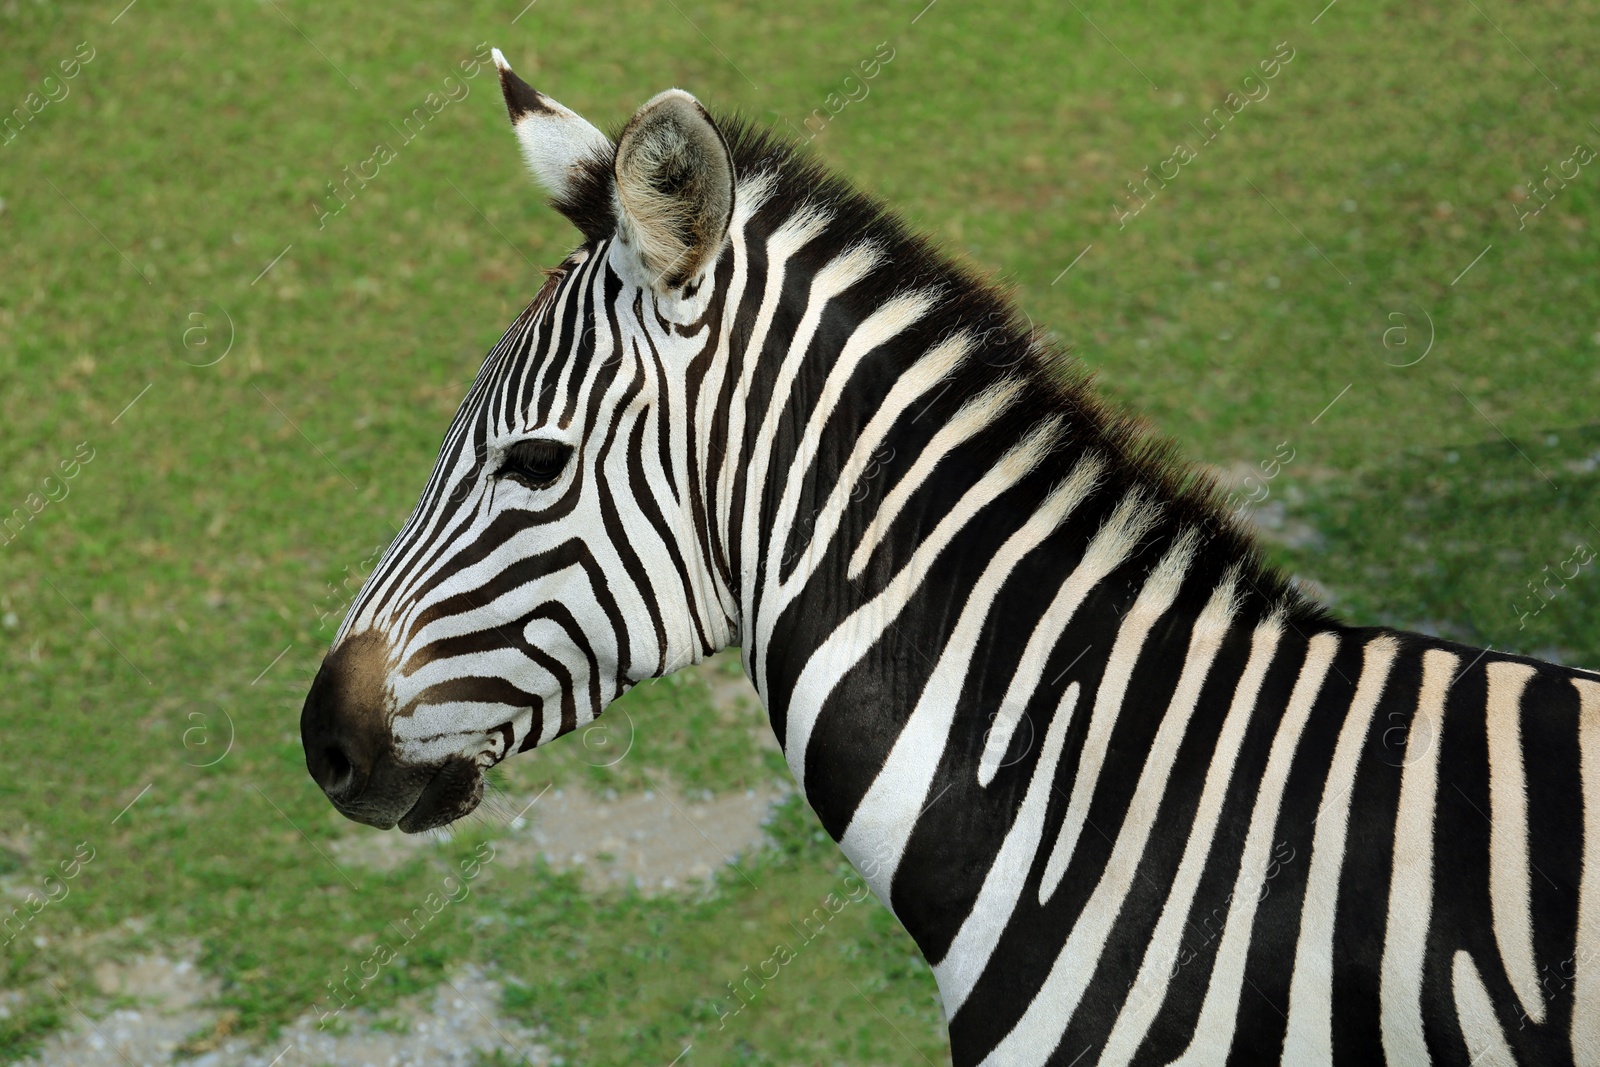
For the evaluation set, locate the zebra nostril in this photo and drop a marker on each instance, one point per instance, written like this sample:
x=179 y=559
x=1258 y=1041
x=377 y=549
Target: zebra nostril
x=333 y=769
x=339 y=770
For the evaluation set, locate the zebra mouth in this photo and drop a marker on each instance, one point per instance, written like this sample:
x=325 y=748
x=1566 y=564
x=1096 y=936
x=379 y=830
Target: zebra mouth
x=453 y=792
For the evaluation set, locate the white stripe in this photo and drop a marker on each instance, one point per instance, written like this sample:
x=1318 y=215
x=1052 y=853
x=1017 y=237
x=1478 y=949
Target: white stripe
x=1159 y=592
x=936 y=365
x=1405 y=940
x=883 y=325
x=1039 y=1030
x=1508 y=834
x=1162 y=952
x=1309 y=1038
x=975 y=415
x=1213 y=1033
x=839 y=274
x=980 y=932
x=853 y=637
x=602 y=358
x=447 y=530
x=708 y=403
x=670 y=407
x=1114 y=542
x=1586 y=986
x=406 y=638
x=785 y=243
x=569 y=356
x=1480 y=1027
x=882 y=823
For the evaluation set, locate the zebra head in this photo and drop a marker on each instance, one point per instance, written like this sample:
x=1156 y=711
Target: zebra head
x=556 y=557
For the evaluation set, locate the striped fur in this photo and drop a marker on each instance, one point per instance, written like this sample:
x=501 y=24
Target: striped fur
x=1136 y=800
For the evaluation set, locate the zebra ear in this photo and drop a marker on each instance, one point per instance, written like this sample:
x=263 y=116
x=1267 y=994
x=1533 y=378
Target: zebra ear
x=566 y=154
x=674 y=182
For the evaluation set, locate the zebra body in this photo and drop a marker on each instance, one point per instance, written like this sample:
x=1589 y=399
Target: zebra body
x=1135 y=799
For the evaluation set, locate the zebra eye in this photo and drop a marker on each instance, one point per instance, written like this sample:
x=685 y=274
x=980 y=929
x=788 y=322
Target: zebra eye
x=536 y=463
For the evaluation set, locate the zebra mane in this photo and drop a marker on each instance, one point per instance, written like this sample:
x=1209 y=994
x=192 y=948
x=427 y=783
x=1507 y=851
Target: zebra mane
x=1057 y=384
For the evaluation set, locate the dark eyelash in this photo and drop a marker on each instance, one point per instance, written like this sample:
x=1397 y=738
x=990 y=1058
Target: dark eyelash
x=536 y=463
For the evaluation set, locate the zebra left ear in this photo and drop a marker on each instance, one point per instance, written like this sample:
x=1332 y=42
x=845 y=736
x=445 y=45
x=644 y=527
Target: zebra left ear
x=565 y=152
x=674 y=184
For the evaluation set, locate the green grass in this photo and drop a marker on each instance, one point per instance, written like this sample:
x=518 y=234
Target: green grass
x=201 y=540
x=1525 y=583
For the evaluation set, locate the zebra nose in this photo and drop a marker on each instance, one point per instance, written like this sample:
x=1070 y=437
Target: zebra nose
x=333 y=755
x=340 y=725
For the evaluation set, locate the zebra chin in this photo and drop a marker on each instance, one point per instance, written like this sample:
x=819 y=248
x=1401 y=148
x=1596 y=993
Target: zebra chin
x=454 y=792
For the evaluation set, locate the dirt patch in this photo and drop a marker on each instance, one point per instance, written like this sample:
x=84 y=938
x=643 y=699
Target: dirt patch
x=656 y=841
x=169 y=1024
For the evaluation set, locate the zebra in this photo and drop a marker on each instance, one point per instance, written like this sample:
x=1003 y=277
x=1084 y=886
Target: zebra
x=1136 y=797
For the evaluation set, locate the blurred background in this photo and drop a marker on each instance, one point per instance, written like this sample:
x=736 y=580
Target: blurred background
x=252 y=253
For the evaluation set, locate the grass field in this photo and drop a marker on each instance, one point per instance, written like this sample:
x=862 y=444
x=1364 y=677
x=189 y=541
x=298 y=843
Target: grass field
x=1349 y=262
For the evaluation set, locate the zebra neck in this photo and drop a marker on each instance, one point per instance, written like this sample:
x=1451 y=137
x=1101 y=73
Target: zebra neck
x=931 y=527
x=934 y=577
